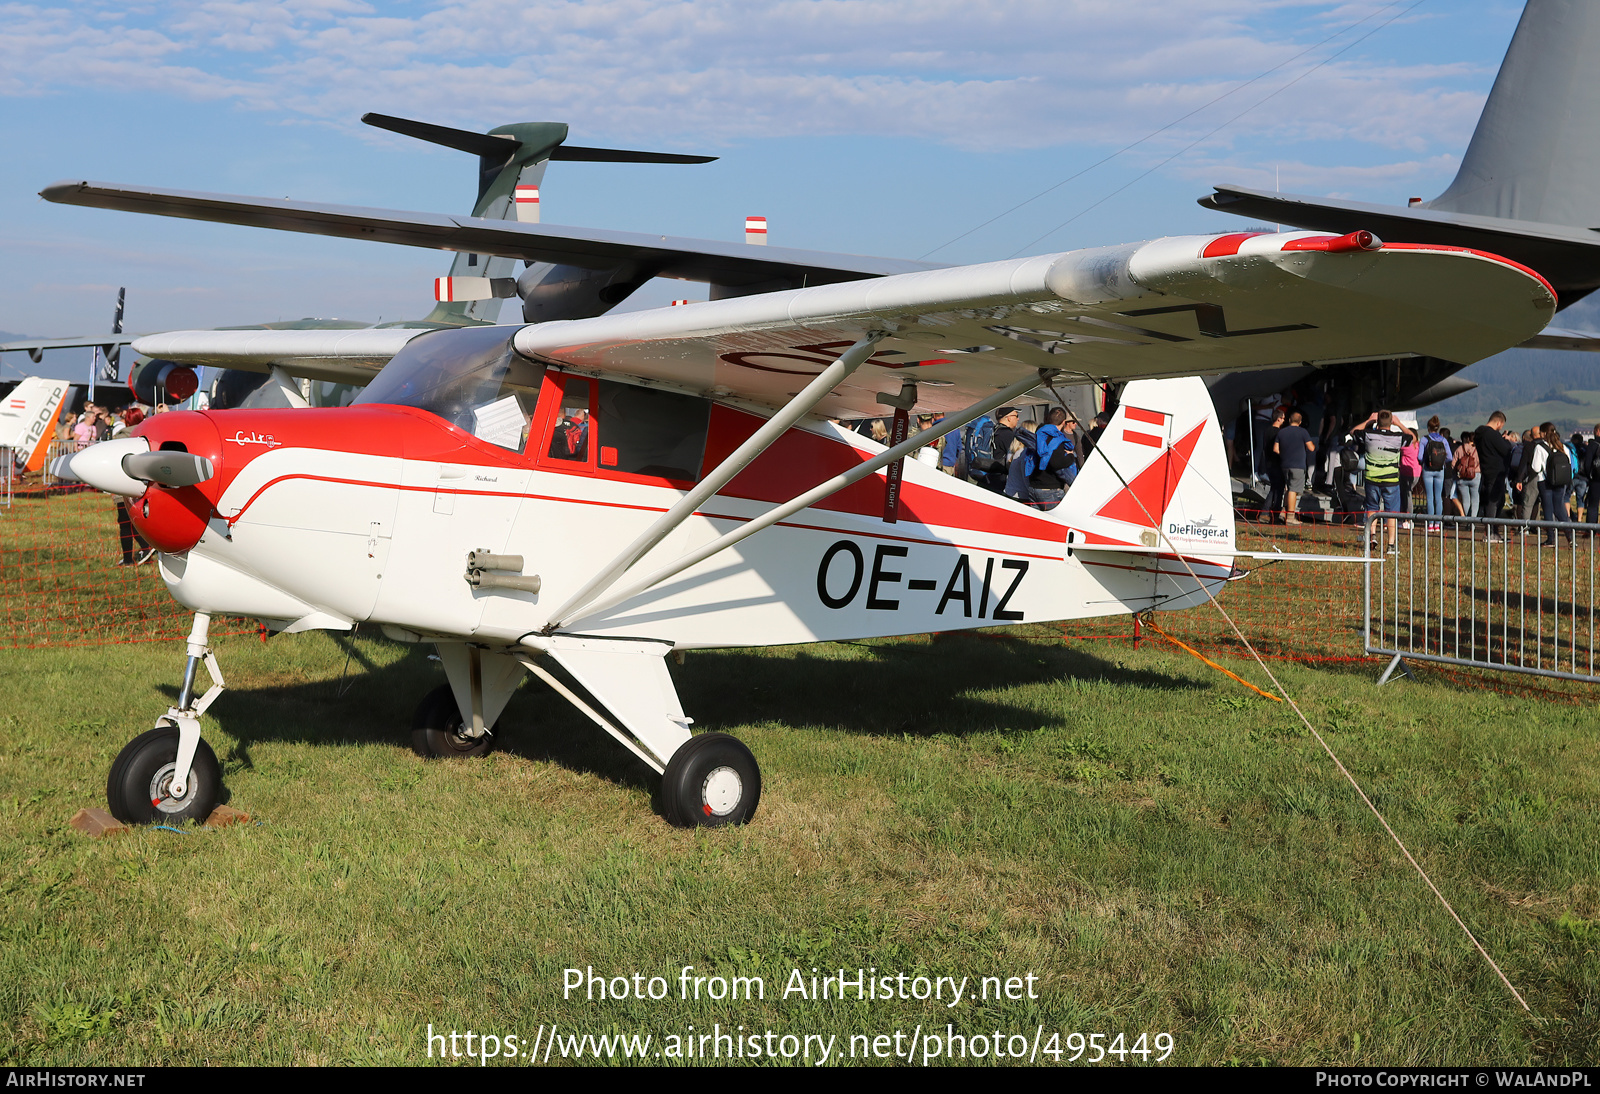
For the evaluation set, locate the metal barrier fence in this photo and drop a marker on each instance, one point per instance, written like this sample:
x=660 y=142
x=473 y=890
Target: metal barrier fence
x=1505 y=594
x=56 y=450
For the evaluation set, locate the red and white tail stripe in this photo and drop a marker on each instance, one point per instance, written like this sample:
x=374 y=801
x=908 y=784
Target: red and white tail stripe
x=526 y=199
x=755 y=229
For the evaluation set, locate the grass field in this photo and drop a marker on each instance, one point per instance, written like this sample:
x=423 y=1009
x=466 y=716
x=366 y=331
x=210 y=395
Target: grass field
x=1163 y=850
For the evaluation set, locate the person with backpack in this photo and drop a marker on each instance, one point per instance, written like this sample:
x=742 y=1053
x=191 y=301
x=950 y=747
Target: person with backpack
x=1469 y=475
x=1436 y=456
x=1050 y=465
x=1551 y=468
x=1577 y=503
x=977 y=454
x=1346 y=473
x=1022 y=442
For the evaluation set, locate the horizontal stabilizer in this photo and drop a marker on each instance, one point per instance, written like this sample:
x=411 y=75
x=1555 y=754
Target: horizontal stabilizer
x=619 y=155
x=1552 y=338
x=1275 y=556
x=503 y=144
x=462 y=140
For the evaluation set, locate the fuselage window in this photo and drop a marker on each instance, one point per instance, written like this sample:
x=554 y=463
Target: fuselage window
x=652 y=432
x=574 y=429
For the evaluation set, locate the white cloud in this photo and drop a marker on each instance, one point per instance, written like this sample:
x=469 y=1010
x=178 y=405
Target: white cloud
x=1010 y=74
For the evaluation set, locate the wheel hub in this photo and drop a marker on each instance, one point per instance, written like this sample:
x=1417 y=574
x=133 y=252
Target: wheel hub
x=161 y=796
x=721 y=792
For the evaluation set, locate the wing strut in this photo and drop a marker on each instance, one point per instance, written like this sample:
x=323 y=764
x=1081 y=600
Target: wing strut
x=951 y=423
x=775 y=427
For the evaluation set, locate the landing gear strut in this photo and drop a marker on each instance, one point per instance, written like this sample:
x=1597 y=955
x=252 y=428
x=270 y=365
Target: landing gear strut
x=169 y=773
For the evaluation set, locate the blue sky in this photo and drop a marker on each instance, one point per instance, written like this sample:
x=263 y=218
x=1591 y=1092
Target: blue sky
x=873 y=126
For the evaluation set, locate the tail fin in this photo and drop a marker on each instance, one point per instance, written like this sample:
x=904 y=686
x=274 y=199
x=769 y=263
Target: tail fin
x=1160 y=464
x=511 y=163
x=1536 y=152
x=28 y=419
x=508 y=157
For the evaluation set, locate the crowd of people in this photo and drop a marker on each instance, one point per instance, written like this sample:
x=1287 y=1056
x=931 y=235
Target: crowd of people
x=1382 y=465
x=97 y=423
x=1035 y=463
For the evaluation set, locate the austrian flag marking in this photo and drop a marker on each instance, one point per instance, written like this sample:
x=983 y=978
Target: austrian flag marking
x=1148 y=417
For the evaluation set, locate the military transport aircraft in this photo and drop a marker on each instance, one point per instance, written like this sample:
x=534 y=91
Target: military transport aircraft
x=1528 y=188
x=511 y=164
x=578 y=498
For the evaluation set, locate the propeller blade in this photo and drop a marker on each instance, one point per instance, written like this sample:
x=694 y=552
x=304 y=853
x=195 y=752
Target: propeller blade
x=168 y=468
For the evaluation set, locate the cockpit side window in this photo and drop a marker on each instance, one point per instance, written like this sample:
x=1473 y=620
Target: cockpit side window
x=470 y=377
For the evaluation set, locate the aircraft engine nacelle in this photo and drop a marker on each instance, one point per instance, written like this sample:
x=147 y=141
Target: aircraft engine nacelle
x=550 y=292
x=158 y=381
x=174 y=518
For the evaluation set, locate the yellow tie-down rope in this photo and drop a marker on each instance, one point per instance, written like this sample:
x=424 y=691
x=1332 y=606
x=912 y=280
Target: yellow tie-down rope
x=1151 y=623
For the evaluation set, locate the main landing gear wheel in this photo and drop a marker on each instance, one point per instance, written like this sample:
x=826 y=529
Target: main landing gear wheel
x=139 y=788
x=712 y=780
x=436 y=728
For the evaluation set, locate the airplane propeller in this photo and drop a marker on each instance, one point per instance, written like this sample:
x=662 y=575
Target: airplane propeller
x=172 y=469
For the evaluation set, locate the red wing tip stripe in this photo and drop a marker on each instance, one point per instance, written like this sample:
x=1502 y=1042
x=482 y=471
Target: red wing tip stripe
x=1141 y=438
x=1149 y=417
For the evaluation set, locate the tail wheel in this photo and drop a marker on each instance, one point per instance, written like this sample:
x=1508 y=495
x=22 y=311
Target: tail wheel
x=139 y=788
x=437 y=729
x=712 y=780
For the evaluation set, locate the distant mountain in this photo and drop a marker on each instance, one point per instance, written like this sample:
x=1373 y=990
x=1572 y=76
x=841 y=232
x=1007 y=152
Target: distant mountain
x=1533 y=385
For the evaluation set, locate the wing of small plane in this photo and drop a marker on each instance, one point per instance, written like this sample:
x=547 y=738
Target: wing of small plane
x=1180 y=306
x=730 y=264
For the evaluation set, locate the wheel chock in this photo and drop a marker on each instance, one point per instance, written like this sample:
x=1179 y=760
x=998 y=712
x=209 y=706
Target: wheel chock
x=222 y=816
x=97 y=823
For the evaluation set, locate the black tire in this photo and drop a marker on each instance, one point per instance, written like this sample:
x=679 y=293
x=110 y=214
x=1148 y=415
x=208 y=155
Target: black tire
x=436 y=729
x=711 y=781
x=136 y=787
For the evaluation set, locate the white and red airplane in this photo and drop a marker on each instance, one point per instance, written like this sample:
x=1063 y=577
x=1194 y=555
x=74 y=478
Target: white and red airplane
x=580 y=498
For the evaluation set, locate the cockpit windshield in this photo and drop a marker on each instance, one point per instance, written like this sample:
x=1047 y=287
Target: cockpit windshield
x=469 y=376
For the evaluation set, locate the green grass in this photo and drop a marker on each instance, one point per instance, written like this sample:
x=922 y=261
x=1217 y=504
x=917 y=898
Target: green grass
x=1166 y=851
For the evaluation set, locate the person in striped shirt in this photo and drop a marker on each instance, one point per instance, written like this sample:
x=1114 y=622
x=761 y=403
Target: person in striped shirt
x=1382 y=438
